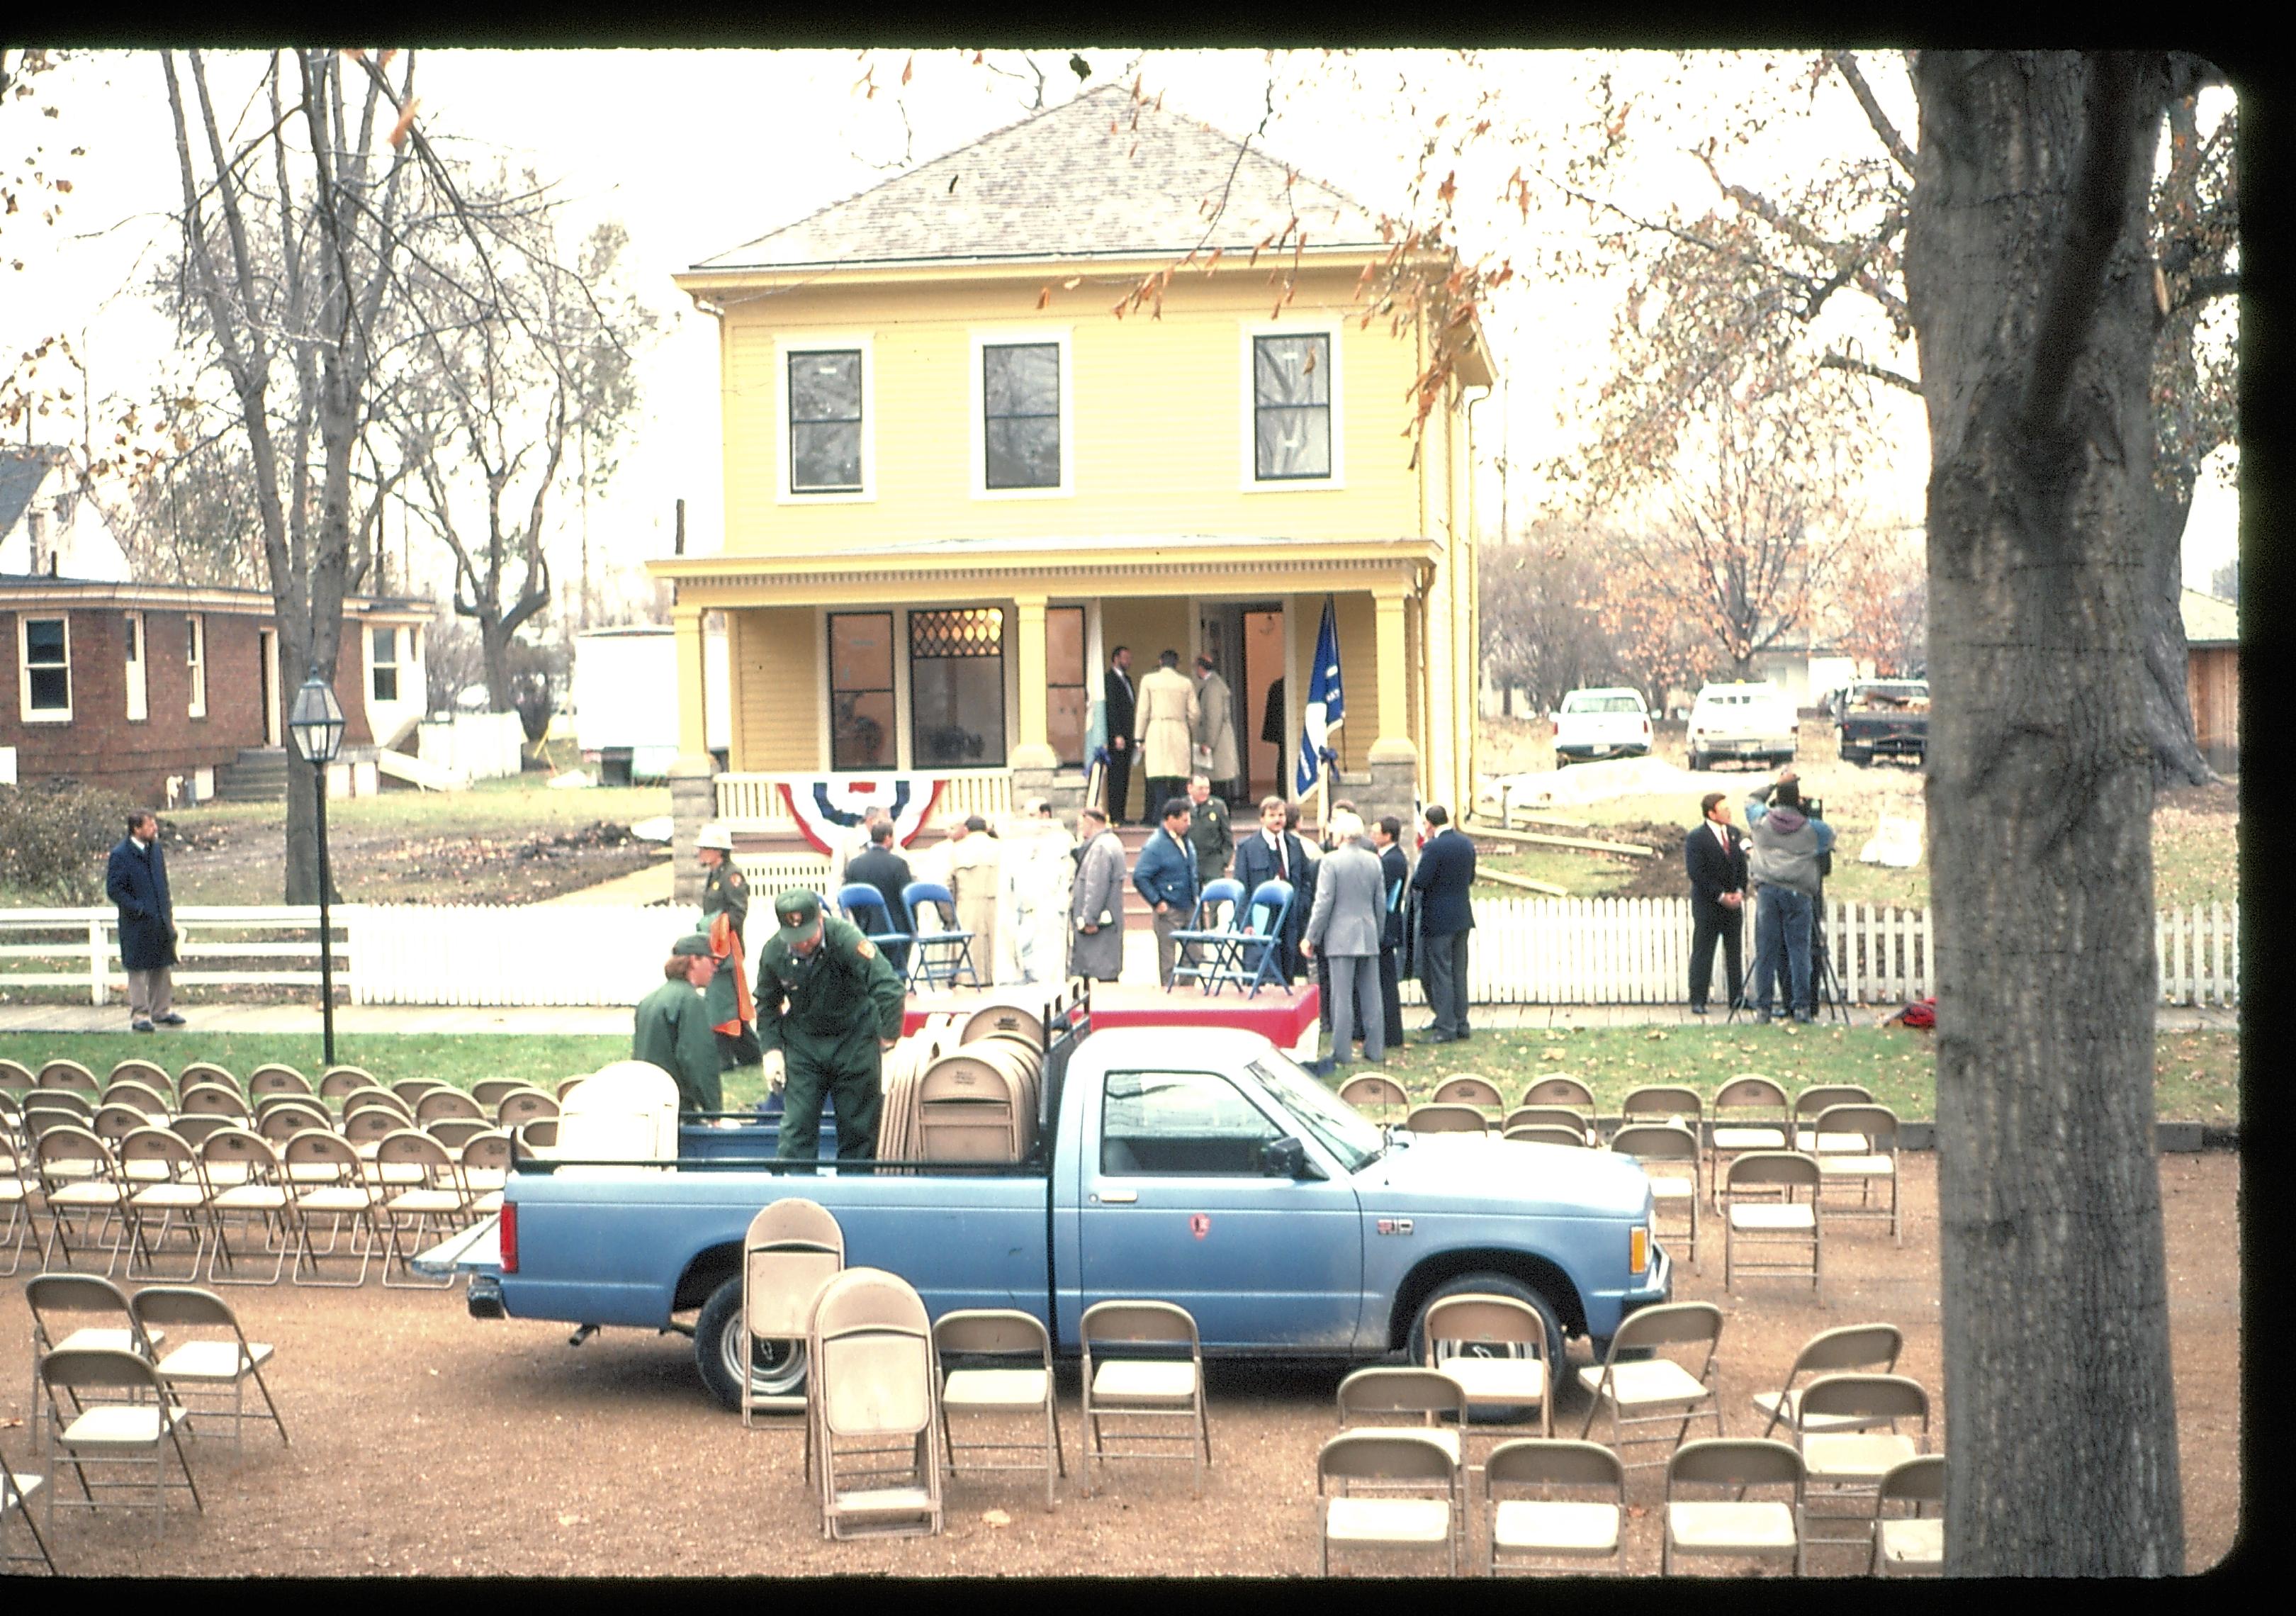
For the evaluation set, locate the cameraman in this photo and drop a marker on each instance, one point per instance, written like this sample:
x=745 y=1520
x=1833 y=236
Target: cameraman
x=1782 y=859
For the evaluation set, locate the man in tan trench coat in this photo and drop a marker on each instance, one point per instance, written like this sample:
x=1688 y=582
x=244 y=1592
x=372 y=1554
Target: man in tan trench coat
x=1216 y=755
x=1166 y=722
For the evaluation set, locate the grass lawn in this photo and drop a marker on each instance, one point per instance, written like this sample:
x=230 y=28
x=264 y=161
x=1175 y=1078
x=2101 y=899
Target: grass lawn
x=520 y=804
x=2197 y=1074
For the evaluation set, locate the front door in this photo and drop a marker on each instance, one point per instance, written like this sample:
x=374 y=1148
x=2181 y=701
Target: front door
x=268 y=638
x=1262 y=637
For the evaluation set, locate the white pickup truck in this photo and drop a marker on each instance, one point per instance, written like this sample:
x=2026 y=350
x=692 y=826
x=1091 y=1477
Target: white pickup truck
x=1754 y=723
x=1607 y=722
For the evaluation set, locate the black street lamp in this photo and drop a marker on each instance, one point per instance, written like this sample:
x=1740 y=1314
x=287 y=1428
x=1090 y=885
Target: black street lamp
x=317 y=723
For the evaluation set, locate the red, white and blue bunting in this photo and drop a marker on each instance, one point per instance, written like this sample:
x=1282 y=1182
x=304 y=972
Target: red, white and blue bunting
x=827 y=809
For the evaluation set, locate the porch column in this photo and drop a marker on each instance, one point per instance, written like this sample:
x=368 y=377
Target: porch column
x=1394 y=761
x=1033 y=764
x=693 y=795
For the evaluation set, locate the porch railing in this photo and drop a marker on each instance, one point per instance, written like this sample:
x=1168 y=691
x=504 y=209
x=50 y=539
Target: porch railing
x=753 y=802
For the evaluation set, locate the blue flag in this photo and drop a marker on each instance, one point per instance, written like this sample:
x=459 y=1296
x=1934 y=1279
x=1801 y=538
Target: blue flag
x=1326 y=706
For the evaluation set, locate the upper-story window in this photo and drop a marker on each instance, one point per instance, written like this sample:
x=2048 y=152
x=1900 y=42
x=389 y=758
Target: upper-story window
x=826 y=415
x=1021 y=427
x=195 y=663
x=44 y=670
x=385 y=661
x=131 y=633
x=1292 y=426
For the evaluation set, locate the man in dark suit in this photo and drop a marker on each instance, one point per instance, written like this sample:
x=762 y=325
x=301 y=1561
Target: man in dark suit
x=1272 y=853
x=888 y=872
x=1118 y=690
x=1446 y=873
x=1395 y=875
x=136 y=880
x=1715 y=855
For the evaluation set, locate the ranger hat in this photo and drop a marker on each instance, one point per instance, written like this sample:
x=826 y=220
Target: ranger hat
x=692 y=943
x=715 y=836
x=799 y=912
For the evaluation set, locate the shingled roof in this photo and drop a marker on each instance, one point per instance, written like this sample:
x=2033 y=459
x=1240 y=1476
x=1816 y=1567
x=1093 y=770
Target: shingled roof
x=1087 y=179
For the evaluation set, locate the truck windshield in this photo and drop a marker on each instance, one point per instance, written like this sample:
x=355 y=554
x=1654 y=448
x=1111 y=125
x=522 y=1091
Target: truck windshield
x=1578 y=704
x=1337 y=1126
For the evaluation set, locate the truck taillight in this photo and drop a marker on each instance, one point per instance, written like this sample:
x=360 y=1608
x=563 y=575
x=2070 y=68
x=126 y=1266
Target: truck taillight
x=506 y=1231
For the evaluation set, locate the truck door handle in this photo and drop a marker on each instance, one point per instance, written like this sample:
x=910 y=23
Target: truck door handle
x=1117 y=1197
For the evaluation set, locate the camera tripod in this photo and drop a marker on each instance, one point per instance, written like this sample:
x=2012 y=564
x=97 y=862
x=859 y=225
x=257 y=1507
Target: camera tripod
x=1825 y=986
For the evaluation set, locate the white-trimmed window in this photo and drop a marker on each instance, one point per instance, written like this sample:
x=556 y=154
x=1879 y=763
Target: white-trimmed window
x=383 y=664
x=1293 y=432
x=828 y=416
x=131 y=629
x=1022 y=415
x=44 y=670
x=196 y=662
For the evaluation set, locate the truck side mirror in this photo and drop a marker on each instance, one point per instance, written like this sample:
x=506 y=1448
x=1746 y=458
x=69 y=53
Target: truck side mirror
x=1286 y=1158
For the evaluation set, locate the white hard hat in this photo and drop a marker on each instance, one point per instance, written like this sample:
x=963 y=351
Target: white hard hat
x=715 y=836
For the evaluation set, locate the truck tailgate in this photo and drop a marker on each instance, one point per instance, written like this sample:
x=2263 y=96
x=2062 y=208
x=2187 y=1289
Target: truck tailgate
x=477 y=1249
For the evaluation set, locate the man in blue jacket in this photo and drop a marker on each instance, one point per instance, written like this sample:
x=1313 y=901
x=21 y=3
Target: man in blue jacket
x=1164 y=875
x=1446 y=873
x=136 y=880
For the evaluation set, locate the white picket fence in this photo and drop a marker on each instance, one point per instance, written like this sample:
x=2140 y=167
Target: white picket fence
x=1527 y=951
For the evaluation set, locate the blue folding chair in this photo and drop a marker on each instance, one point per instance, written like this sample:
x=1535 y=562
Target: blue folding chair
x=1205 y=944
x=858 y=901
x=937 y=955
x=1258 y=941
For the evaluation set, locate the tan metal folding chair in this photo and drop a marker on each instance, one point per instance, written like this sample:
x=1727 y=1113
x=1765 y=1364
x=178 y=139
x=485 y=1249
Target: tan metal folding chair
x=1548 y=1133
x=120 y=1418
x=875 y=1398
x=1911 y=1546
x=15 y=1503
x=194 y=1131
x=1737 y=1527
x=280 y=1119
x=80 y=1311
x=1386 y=1399
x=16 y=1199
x=419 y=1211
x=211 y=1099
x=1549 y=1116
x=1526 y=1532
x=409 y=1091
x=793 y=1247
x=335 y=1188
x=1760 y=1211
x=78 y=1182
x=1845 y=1466
x=1499 y=1351
x=149 y=1073
x=485 y=1165
x=1643 y=1387
x=488 y=1092
x=1158 y=1373
x=1750 y=1113
x=247 y=1187
x=208 y=1365
x=1556 y=1089
x=167 y=1193
x=1468 y=1088
x=1869 y=1348
x=525 y=1105
x=1447 y=1119
x=339 y=1083
x=1669 y=1156
x=443 y=1102
x=1863 y=1152
x=16 y=1078
x=1665 y=1102
x=1374 y=1091
x=455 y=1132
x=274 y=1078
x=204 y=1071
x=140 y=1096
x=1392 y=1461
x=1810 y=1104
x=69 y=1075
x=1016 y=1379
x=113 y=1123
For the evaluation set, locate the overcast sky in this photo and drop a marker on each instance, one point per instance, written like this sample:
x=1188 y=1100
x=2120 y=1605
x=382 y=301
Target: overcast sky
x=697 y=152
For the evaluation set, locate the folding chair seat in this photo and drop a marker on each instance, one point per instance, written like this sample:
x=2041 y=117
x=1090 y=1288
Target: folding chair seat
x=247 y=1187
x=1643 y=1387
x=205 y=1366
x=1548 y=1133
x=1865 y=1349
x=79 y=1183
x=167 y=1193
x=1204 y=942
x=139 y=1096
x=1760 y=1211
x=1570 y=1093
x=1738 y=1526
x=15 y=1503
x=442 y=1103
x=484 y=1164
x=70 y=1075
x=1394 y=1462
x=1017 y=1379
x=274 y=1078
x=121 y=1417
x=939 y=954
x=875 y=1408
x=1500 y=1351
x=1253 y=950
x=1846 y=1466
x=488 y=1092
x=1528 y=1531
x=1811 y=1103
x=1864 y=1152
x=1468 y=1089
x=793 y=1247
x=1445 y=1119
x=1749 y=1113
x=1158 y=1373
x=865 y=907
x=337 y=1191
x=1669 y=1154
x=80 y=1312
x=419 y=1211
x=1910 y=1546
x=526 y=1105
x=1374 y=1091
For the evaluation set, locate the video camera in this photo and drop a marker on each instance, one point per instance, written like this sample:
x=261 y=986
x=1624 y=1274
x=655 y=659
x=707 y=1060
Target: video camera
x=1814 y=808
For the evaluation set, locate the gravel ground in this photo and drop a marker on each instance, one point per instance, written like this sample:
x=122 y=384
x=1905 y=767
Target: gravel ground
x=428 y=1443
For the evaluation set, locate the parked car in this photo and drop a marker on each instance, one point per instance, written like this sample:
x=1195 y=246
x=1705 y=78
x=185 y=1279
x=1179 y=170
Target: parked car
x=1883 y=717
x=1606 y=723
x=1753 y=723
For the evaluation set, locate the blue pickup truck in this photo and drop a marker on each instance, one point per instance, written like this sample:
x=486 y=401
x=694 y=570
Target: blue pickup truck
x=1195 y=1165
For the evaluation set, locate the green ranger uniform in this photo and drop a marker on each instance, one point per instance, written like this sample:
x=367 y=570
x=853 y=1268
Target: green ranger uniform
x=723 y=888
x=826 y=1011
x=1211 y=837
x=673 y=1032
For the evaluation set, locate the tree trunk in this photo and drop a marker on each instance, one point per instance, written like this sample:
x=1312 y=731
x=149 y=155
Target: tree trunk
x=2032 y=296
x=493 y=651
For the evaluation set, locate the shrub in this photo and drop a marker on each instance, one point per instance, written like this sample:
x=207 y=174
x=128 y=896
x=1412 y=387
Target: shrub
x=54 y=838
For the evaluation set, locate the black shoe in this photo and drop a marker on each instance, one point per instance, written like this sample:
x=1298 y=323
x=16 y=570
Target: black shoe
x=1436 y=1038
x=141 y=1027
x=169 y=1020
x=1698 y=1009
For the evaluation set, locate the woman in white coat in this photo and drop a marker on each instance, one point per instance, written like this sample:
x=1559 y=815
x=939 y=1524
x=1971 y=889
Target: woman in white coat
x=1216 y=754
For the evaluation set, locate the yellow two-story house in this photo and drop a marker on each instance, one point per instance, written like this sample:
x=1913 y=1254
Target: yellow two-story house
x=955 y=482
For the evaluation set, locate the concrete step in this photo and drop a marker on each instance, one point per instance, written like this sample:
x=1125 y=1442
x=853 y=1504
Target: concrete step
x=258 y=775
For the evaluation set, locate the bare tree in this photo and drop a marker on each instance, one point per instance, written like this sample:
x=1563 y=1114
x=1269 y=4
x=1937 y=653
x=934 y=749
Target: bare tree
x=2031 y=286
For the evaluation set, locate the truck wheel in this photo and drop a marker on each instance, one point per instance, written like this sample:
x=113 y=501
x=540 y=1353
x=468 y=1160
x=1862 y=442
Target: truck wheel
x=721 y=1345
x=1861 y=756
x=1488 y=1284
x=1697 y=761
